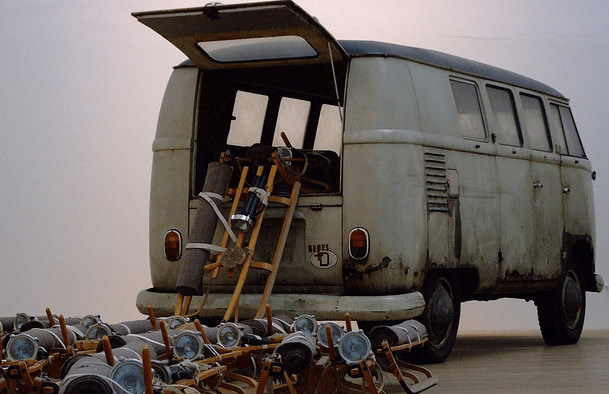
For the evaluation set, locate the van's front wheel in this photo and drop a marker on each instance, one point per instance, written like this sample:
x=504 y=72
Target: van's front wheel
x=561 y=312
x=441 y=316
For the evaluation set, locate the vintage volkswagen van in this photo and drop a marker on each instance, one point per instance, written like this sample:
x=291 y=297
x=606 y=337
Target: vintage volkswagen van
x=428 y=179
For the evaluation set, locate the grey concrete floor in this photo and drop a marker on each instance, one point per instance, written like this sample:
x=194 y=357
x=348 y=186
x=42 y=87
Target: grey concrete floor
x=520 y=362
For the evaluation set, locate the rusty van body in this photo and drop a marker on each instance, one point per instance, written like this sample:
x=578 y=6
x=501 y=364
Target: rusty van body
x=445 y=180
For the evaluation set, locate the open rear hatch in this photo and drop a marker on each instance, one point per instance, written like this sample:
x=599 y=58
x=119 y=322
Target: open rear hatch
x=269 y=33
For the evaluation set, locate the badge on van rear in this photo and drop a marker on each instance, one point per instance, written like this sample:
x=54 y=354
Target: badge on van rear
x=323 y=259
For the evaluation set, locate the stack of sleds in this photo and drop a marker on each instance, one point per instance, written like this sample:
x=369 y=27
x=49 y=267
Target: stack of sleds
x=176 y=355
x=171 y=355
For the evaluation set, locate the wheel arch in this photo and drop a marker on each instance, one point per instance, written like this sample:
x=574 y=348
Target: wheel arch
x=579 y=248
x=467 y=278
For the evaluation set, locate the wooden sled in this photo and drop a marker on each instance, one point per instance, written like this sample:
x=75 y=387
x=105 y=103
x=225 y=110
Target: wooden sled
x=240 y=255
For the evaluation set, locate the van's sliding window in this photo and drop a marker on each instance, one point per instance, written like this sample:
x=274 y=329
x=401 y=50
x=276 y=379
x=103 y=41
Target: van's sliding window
x=504 y=121
x=535 y=123
x=468 y=110
x=562 y=120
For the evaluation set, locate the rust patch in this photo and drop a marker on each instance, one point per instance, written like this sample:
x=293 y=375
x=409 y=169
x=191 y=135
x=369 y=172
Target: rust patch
x=382 y=265
x=351 y=272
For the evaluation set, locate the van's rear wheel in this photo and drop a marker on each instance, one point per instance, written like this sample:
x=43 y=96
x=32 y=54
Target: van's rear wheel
x=561 y=312
x=441 y=317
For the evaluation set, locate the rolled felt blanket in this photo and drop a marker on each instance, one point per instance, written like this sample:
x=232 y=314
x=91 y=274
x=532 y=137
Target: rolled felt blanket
x=406 y=332
x=296 y=351
x=27 y=345
x=281 y=324
x=204 y=226
x=132 y=327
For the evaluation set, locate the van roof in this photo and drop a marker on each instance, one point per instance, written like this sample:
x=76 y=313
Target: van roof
x=439 y=59
x=446 y=61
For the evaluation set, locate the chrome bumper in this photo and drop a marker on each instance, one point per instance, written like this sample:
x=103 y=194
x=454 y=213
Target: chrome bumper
x=600 y=283
x=323 y=307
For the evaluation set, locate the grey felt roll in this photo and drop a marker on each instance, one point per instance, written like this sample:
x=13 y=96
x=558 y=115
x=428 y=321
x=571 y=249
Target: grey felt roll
x=50 y=338
x=131 y=327
x=405 y=332
x=260 y=327
x=203 y=229
x=297 y=351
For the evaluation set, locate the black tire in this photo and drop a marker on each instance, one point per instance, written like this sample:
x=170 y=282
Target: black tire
x=561 y=312
x=441 y=317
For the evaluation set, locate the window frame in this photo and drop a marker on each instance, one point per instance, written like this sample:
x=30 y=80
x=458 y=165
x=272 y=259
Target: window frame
x=516 y=118
x=483 y=120
x=563 y=133
x=544 y=115
x=273 y=98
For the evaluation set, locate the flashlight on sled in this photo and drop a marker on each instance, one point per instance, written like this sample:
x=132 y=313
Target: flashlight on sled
x=256 y=196
x=128 y=377
x=188 y=344
x=229 y=335
x=305 y=323
x=21 y=347
x=354 y=347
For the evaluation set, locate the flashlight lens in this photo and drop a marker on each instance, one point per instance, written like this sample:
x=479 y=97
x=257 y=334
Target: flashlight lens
x=161 y=371
x=305 y=323
x=129 y=375
x=20 y=319
x=228 y=335
x=21 y=347
x=336 y=330
x=174 y=322
x=90 y=320
x=97 y=331
x=188 y=345
x=354 y=347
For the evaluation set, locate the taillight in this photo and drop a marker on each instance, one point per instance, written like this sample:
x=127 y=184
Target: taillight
x=173 y=245
x=359 y=243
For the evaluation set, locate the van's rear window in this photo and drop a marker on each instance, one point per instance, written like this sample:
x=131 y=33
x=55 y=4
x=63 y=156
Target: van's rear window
x=261 y=48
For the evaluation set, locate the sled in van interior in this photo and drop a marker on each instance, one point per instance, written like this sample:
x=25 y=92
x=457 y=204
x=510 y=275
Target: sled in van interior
x=380 y=180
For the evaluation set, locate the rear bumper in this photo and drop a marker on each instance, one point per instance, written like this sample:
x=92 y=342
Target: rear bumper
x=600 y=283
x=322 y=306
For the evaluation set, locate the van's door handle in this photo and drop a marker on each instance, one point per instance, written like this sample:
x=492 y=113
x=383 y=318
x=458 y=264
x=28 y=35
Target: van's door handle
x=538 y=184
x=566 y=190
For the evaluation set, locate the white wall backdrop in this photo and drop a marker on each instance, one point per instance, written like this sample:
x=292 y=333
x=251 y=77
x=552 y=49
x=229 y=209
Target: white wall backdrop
x=80 y=88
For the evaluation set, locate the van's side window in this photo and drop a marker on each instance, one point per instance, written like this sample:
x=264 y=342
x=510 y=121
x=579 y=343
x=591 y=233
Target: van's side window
x=248 y=118
x=535 y=122
x=468 y=110
x=505 y=123
x=564 y=119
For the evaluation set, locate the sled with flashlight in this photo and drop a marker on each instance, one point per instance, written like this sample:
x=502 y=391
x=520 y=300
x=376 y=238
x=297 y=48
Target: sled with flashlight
x=246 y=216
x=392 y=342
x=341 y=361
